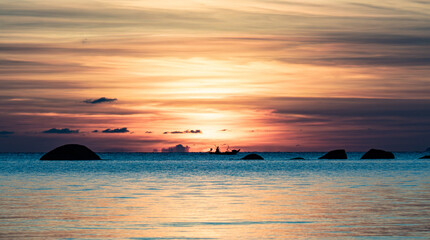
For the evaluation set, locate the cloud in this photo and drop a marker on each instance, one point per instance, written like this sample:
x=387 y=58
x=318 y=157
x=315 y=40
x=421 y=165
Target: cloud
x=61 y=131
x=6 y=132
x=26 y=142
x=182 y=132
x=148 y=132
x=24 y=84
x=353 y=123
x=353 y=107
x=177 y=148
x=116 y=130
x=100 y=100
x=12 y=67
x=381 y=39
x=334 y=38
x=61 y=106
x=387 y=60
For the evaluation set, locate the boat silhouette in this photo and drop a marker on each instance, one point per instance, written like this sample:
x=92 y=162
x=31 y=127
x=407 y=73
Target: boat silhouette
x=218 y=152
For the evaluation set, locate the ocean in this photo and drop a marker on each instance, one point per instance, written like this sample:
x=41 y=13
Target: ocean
x=202 y=196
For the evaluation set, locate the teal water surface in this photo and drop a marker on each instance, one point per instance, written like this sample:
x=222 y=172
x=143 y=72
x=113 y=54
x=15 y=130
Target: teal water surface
x=201 y=196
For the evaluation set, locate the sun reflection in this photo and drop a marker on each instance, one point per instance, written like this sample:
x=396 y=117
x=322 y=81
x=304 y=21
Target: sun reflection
x=282 y=204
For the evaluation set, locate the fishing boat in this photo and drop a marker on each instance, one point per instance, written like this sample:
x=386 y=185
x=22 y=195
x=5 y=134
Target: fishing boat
x=218 y=152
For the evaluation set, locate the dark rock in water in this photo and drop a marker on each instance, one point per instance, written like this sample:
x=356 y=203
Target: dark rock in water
x=335 y=154
x=253 y=156
x=425 y=157
x=297 y=158
x=378 y=154
x=71 y=152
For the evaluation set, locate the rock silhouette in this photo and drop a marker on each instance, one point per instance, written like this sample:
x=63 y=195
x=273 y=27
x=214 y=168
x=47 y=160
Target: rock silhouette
x=377 y=154
x=335 y=154
x=425 y=157
x=71 y=152
x=253 y=156
x=297 y=158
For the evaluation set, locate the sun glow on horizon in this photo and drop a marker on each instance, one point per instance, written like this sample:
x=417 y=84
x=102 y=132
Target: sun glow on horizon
x=274 y=75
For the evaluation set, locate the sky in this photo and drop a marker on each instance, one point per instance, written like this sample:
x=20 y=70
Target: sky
x=266 y=75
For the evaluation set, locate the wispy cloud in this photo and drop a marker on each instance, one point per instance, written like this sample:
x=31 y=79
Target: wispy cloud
x=20 y=67
x=352 y=107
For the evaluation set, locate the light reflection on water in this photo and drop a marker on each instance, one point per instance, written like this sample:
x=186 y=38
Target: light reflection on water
x=193 y=196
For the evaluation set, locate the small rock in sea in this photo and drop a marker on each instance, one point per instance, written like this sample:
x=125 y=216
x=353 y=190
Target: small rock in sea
x=378 y=154
x=297 y=158
x=71 y=152
x=335 y=154
x=425 y=157
x=253 y=156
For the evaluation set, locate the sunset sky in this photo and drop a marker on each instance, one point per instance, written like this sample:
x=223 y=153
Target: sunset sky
x=260 y=75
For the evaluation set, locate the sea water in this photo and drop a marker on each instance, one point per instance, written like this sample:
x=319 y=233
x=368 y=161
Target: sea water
x=202 y=196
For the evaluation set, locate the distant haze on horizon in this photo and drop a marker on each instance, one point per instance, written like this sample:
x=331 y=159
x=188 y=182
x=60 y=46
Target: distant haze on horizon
x=260 y=75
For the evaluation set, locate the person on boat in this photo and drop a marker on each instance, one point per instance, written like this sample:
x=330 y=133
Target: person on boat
x=217 y=150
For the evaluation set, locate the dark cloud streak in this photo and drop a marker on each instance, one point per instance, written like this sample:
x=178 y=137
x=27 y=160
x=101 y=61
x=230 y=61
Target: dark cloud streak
x=100 y=100
x=61 y=131
x=183 y=132
x=6 y=132
x=353 y=107
x=116 y=130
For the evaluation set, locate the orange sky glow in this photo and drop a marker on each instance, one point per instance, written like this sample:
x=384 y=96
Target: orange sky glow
x=255 y=75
